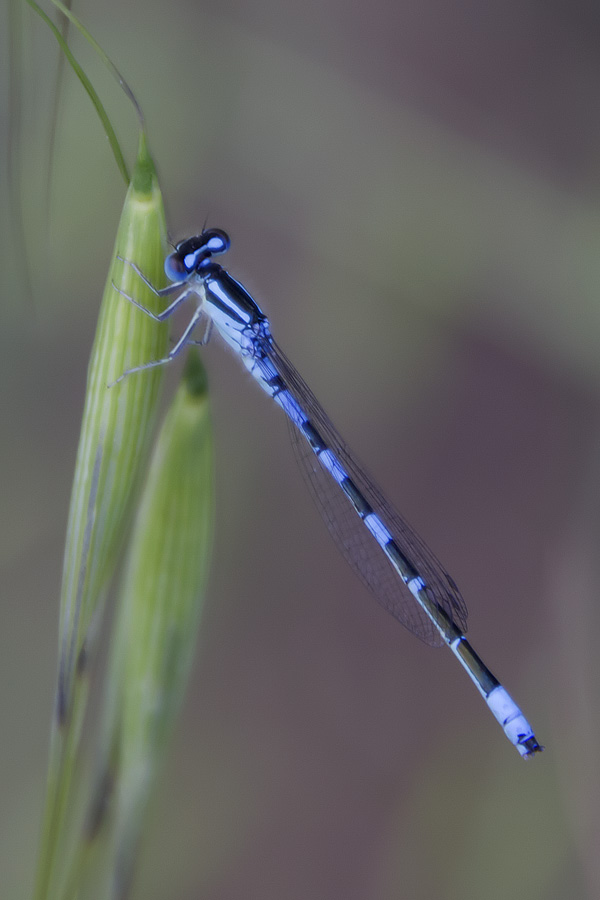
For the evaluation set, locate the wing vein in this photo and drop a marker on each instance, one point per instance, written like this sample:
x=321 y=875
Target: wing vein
x=355 y=541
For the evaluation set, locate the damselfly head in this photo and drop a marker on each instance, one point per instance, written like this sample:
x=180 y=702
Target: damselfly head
x=191 y=253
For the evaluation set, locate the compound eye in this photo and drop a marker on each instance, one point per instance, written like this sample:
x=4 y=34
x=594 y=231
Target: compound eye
x=175 y=269
x=215 y=241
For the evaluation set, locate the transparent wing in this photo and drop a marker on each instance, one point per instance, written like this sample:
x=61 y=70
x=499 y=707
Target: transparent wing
x=351 y=535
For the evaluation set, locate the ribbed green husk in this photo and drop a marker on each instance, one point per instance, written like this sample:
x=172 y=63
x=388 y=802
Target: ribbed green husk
x=158 y=614
x=116 y=428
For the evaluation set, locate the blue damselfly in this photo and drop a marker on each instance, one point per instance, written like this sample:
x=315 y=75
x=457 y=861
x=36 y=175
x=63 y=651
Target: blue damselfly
x=379 y=544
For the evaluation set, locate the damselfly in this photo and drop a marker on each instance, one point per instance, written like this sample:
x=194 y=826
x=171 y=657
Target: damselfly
x=379 y=544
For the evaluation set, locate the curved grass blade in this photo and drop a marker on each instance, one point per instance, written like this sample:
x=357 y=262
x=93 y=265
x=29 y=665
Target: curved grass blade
x=56 y=95
x=14 y=143
x=108 y=129
x=66 y=11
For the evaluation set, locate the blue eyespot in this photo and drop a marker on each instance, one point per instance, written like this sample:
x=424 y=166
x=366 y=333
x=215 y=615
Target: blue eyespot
x=215 y=241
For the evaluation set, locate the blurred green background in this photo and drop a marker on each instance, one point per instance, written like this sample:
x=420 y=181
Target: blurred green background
x=412 y=190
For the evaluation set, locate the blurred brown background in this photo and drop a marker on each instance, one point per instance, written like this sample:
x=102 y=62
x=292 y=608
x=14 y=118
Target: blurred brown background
x=412 y=191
